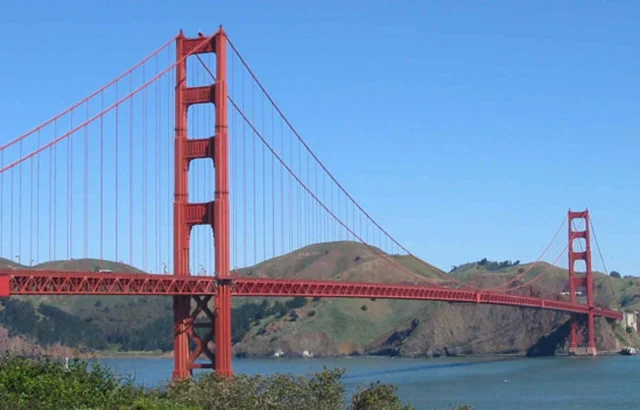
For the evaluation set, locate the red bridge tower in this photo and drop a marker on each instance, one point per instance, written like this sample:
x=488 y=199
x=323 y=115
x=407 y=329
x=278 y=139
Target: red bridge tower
x=217 y=323
x=581 y=282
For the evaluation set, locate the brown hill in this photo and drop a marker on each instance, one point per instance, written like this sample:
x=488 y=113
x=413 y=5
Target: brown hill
x=8 y=264
x=469 y=329
x=340 y=326
x=332 y=260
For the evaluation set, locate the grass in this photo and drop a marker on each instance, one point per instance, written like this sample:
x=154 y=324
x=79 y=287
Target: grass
x=420 y=267
x=344 y=320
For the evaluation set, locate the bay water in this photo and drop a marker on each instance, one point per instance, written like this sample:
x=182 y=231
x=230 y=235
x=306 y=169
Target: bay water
x=611 y=382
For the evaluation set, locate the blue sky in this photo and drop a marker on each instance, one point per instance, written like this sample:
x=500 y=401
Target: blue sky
x=466 y=128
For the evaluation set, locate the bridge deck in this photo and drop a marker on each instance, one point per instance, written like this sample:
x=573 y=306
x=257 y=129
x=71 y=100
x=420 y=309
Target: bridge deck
x=35 y=282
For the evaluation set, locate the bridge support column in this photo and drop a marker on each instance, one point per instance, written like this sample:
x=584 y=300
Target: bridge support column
x=221 y=214
x=222 y=325
x=581 y=284
x=182 y=327
x=193 y=336
x=4 y=286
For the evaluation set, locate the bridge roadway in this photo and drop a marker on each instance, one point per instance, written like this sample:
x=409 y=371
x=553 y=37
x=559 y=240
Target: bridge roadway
x=38 y=282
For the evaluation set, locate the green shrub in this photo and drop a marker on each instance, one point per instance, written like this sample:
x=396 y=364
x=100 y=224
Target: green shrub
x=297 y=302
x=27 y=384
x=322 y=391
x=378 y=397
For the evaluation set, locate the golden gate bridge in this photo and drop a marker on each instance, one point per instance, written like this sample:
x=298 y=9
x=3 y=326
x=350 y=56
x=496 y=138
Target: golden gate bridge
x=192 y=126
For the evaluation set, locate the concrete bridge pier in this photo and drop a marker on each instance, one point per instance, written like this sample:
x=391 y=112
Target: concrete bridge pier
x=583 y=351
x=630 y=320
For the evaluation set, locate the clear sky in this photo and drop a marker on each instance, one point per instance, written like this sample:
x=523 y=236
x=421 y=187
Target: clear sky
x=466 y=128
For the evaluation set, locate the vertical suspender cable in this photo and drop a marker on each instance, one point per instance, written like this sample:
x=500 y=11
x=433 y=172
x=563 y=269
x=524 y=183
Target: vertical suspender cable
x=281 y=190
x=299 y=198
x=101 y=179
x=70 y=190
x=20 y=208
x=86 y=187
x=144 y=170
x=325 y=221
x=54 y=191
x=291 y=195
x=37 y=202
x=264 y=192
x=116 y=172
x=332 y=209
x=158 y=144
x=353 y=219
x=31 y=233
x=131 y=116
x=244 y=178
x=273 y=191
x=253 y=147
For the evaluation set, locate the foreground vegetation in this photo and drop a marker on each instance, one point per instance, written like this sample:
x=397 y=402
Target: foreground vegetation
x=45 y=384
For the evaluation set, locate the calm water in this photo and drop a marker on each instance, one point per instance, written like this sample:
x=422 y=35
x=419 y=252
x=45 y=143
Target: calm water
x=547 y=383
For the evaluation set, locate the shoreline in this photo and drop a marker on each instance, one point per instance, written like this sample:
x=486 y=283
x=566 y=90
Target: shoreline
x=169 y=355
x=132 y=355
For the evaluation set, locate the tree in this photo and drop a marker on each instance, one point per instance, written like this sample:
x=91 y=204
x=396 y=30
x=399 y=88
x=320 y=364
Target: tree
x=297 y=302
x=615 y=274
x=378 y=396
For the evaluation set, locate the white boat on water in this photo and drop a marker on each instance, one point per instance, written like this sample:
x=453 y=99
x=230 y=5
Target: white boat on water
x=628 y=351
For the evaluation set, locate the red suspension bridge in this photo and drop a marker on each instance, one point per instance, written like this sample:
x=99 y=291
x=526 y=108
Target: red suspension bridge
x=95 y=182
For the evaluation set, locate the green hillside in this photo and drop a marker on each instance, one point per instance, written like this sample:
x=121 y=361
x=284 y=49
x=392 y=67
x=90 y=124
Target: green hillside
x=616 y=293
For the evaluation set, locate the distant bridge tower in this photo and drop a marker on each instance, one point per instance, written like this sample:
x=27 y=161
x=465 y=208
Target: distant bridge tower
x=196 y=325
x=581 y=282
